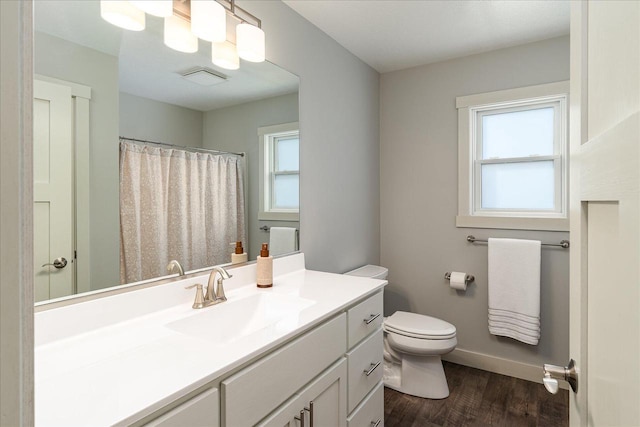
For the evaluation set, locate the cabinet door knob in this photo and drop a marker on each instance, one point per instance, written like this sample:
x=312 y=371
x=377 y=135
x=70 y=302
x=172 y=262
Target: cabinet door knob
x=372 y=368
x=301 y=418
x=371 y=318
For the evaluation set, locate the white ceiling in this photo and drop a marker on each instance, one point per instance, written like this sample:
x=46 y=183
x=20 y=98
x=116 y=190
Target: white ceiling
x=392 y=35
x=386 y=34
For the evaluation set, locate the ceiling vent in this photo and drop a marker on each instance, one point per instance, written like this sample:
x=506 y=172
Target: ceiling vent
x=204 y=76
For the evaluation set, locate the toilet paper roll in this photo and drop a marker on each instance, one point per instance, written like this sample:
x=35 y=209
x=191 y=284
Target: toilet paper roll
x=457 y=281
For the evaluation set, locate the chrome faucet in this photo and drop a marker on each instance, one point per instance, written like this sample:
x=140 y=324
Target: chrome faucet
x=216 y=296
x=174 y=263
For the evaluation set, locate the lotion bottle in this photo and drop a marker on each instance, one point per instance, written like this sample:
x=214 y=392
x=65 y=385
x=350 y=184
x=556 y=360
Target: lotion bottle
x=239 y=255
x=264 y=268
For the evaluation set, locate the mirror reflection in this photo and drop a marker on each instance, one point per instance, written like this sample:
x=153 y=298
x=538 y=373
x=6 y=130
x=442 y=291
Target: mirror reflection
x=144 y=155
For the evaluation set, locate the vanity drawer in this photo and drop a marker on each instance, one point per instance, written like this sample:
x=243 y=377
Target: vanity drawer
x=370 y=412
x=255 y=391
x=365 y=366
x=370 y=310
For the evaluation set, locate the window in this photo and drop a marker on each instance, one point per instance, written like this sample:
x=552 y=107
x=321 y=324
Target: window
x=512 y=158
x=279 y=172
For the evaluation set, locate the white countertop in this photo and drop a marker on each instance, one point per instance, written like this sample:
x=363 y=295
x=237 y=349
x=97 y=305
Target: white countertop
x=125 y=369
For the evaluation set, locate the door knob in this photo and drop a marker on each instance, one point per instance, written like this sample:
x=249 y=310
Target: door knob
x=551 y=384
x=553 y=373
x=58 y=263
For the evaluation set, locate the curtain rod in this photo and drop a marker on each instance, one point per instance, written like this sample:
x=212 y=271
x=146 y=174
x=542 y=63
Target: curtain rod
x=182 y=147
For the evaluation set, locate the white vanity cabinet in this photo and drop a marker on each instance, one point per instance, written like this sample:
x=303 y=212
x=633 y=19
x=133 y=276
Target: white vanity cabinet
x=364 y=318
x=323 y=401
x=306 y=352
x=259 y=389
x=365 y=395
x=370 y=412
x=328 y=376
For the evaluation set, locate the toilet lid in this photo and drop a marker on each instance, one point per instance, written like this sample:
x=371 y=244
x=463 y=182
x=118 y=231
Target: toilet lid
x=419 y=326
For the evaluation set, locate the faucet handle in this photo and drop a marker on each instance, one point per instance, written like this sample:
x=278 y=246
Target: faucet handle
x=220 y=290
x=199 y=301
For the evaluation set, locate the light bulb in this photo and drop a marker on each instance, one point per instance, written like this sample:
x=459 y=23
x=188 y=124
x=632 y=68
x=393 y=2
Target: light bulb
x=178 y=36
x=225 y=55
x=250 y=40
x=122 y=14
x=161 y=8
x=208 y=20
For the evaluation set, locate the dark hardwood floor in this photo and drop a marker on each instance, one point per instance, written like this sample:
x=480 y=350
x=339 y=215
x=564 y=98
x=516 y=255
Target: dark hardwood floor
x=479 y=398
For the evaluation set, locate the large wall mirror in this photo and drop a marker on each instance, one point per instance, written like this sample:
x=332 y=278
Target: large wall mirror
x=106 y=101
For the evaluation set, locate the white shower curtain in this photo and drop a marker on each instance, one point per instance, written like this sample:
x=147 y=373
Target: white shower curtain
x=176 y=204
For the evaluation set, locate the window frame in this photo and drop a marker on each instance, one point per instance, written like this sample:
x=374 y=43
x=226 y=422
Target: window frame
x=267 y=137
x=470 y=111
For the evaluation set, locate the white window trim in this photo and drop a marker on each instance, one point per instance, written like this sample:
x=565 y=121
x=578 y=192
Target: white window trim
x=264 y=166
x=468 y=107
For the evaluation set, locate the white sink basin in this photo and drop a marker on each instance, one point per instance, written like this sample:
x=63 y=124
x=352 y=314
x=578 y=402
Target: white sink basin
x=237 y=319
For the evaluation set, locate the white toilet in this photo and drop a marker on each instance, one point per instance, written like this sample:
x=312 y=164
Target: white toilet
x=413 y=344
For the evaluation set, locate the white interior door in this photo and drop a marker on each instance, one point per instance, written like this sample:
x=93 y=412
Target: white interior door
x=605 y=212
x=53 y=191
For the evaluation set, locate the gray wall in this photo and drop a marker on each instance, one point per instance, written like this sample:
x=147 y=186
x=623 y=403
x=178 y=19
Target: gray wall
x=419 y=239
x=236 y=129
x=339 y=152
x=58 y=58
x=144 y=118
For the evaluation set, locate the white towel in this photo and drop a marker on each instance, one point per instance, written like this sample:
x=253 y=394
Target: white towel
x=282 y=240
x=508 y=332
x=514 y=289
x=518 y=322
x=521 y=329
x=493 y=312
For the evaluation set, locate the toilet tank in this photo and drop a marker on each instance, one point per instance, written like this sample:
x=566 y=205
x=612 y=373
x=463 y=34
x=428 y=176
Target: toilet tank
x=371 y=271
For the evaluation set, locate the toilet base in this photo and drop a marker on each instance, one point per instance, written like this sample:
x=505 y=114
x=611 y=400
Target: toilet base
x=421 y=376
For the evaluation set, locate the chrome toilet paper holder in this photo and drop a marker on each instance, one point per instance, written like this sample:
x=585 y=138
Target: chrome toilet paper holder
x=468 y=278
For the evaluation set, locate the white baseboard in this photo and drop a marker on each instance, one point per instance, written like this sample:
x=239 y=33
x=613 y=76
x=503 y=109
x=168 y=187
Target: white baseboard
x=498 y=365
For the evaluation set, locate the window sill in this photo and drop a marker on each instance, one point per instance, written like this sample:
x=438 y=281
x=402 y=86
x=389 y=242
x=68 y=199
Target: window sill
x=278 y=216
x=513 y=223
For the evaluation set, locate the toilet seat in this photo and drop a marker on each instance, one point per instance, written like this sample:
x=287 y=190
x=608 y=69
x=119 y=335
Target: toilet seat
x=419 y=336
x=419 y=326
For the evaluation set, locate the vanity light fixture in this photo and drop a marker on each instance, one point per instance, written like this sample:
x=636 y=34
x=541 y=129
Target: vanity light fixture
x=225 y=55
x=250 y=39
x=193 y=19
x=178 y=35
x=122 y=14
x=250 y=42
x=208 y=20
x=161 y=8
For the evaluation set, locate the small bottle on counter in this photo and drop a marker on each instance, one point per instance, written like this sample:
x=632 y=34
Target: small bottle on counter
x=239 y=255
x=264 y=268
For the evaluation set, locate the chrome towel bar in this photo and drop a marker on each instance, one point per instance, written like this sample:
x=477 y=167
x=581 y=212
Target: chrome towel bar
x=265 y=228
x=564 y=244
